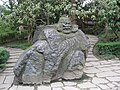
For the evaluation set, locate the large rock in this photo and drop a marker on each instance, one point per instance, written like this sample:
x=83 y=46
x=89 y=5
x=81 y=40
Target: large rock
x=59 y=51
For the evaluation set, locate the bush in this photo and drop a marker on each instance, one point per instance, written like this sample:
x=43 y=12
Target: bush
x=111 y=48
x=4 y=55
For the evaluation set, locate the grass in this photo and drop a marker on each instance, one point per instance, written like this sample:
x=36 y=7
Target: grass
x=19 y=44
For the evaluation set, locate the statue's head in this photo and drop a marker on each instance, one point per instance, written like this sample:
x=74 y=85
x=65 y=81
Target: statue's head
x=65 y=25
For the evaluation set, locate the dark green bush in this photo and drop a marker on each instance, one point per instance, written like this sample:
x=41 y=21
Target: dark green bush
x=4 y=55
x=111 y=48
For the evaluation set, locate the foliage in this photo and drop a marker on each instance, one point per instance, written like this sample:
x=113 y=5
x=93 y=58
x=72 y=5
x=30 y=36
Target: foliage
x=27 y=14
x=107 y=15
x=8 y=27
x=44 y=11
x=19 y=44
x=110 y=38
x=4 y=55
x=8 y=32
x=5 y=30
x=112 y=48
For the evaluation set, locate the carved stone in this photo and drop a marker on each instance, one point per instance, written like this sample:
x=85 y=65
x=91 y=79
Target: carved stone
x=59 y=52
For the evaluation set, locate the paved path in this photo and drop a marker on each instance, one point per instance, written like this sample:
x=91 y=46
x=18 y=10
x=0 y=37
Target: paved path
x=99 y=74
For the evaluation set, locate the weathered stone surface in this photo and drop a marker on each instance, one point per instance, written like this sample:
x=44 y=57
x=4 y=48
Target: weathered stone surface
x=106 y=74
x=59 y=51
x=44 y=88
x=97 y=88
x=68 y=83
x=111 y=85
x=9 y=79
x=70 y=88
x=25 y=88
x=104 y=87
x=92 y=70
x=57 y=84
x=86 y=85
x=4 y=86
x=99 y=81
x=2 y=79
x=13 y=87
x=117 y=78
x=57 y=89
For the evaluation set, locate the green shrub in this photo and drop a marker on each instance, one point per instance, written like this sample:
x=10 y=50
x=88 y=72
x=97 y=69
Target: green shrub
x=111 y=48
x=4 y=55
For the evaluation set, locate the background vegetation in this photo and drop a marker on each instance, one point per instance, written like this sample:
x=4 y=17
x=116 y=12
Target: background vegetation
x=19 y=18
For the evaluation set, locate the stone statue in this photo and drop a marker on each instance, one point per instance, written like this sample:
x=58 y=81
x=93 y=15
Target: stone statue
x=59 y=52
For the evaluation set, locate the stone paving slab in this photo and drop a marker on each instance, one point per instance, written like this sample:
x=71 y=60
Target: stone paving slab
x=99 y=74
x=9 y=79
x=68 y=83
x=57 y=89
x=12 y=60
x=70 y=88
x=2 y=78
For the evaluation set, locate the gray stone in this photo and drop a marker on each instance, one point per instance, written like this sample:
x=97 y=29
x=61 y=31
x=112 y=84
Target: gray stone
x=111 y=85
x=57 y=89
x=44 y=87
x=25 y=88
x=70 y=88
x=107 y=74
x=117 y=78
x=92 y=70
x=4 y=86
x=97 y=88
x=2 y=79
x=59 y=51
x=9 y=79
x=99 y=80
x=86 y=85
x=104 y=87
x=57 y=84
x=68 y=83
x=13 y=87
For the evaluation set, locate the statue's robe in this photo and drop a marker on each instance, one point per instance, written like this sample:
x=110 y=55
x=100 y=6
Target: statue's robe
x=55 y=55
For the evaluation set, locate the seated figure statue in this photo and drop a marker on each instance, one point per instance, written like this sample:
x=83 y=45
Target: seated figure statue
x=59 y=52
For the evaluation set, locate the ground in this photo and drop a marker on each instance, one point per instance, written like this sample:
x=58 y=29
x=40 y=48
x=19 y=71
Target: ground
x=98 y=74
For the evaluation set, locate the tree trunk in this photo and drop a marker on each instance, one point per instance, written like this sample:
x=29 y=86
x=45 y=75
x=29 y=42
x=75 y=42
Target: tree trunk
x=73 y=16
x=48 y=20
x=29 y=38
x=106 y=29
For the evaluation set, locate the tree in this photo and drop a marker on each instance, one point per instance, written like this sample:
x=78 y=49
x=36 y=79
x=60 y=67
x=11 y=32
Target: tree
x=28 y=12
x=106 y=13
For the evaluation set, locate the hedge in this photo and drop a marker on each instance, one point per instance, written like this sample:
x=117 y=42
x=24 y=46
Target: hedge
x=112 y=48
x=4 y=55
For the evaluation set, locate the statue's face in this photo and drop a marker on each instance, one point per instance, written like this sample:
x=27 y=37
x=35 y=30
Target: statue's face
x=65 y=25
